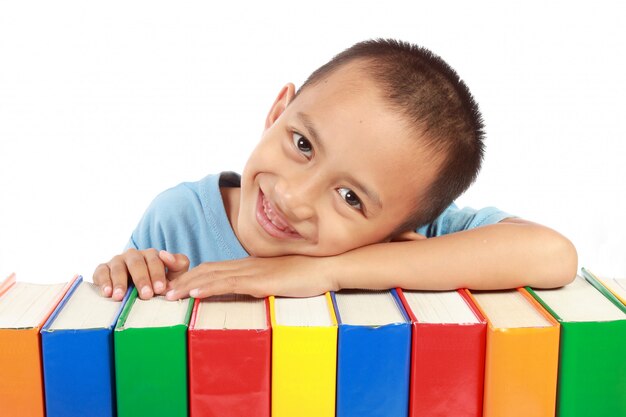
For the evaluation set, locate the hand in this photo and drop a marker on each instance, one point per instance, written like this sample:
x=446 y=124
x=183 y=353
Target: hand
x=145 y=267
x=294 y=276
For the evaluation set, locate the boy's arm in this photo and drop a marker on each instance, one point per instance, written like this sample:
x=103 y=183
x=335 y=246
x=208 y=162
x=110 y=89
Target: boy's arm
x=509 y=254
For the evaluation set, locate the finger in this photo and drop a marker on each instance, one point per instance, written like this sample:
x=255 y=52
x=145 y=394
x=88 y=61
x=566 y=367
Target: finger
x=156 y=270
x=232 y=285
x=119 y=277
x=196 y=277
x=102 y=278
x=180 y=287
x=136 y=264
x=177 y=264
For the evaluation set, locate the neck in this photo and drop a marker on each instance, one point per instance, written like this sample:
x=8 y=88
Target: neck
x=231 y=196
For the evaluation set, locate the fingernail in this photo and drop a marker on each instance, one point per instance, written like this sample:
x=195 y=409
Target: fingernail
x=118 y=293
x=146 y=292
x=158 y=286
x=168 y=256
x=170 y=294
x=195 y=292
x=107 y=290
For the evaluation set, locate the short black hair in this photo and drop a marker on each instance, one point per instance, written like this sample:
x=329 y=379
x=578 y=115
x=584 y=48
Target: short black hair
x=433 y=98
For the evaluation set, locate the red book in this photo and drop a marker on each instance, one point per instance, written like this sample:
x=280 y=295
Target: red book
x=229 y=357
x=447 y=354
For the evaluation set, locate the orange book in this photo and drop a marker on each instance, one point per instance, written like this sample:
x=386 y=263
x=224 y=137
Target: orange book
x=522 y=355
x=24 y=309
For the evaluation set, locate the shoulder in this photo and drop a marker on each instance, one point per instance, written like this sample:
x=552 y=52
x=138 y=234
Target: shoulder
x=454 y=219
x=172 y=213
x=184 y=197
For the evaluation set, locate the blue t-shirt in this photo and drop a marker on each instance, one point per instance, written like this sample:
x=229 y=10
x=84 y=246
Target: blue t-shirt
x=191 y=219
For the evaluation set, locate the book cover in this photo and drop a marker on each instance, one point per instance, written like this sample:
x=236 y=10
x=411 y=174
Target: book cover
x=373 y=354
x=304 y=355
x=616 y=287
x=521 y=355
x=24 y=308
x=230 y=347
x=448 y=353
x=77 y=354
x=150 y=341
x=592 y=371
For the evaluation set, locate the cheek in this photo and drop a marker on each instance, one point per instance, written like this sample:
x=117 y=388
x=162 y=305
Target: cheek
x=267 y=154
x=338 y=237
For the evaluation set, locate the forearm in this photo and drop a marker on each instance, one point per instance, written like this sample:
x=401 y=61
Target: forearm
x=499 y=256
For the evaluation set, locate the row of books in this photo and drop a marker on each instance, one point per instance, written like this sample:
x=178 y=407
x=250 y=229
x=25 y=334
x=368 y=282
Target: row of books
x=67 y=351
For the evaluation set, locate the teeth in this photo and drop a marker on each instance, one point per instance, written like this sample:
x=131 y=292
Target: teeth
x=275 y=218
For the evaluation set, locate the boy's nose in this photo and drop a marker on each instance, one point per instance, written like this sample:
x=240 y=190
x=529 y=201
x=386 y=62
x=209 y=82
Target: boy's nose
x=295 y=199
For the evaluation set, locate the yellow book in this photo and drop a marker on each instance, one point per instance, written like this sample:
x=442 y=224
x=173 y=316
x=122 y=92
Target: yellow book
x=304 y=356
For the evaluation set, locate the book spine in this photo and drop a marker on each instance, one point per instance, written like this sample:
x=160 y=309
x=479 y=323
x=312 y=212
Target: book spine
x=521 y=372
x=229 y=372
x=21 y=385
x=78 y=372
x=303 y=371
x=447 y=358
x=373 y=366
x=151 y=371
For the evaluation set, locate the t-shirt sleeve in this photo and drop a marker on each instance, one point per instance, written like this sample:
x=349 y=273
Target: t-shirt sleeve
x=166 y=217
x=454 y=220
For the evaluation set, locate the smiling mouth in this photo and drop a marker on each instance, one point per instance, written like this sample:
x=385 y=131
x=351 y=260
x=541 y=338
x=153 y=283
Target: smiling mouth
x=273 y=222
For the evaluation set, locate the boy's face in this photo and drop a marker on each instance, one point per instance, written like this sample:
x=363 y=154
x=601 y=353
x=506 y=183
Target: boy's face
x=336 y=169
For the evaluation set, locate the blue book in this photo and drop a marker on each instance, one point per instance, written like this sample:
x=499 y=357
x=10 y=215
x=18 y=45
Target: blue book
x=77 y=353
x=373 y=354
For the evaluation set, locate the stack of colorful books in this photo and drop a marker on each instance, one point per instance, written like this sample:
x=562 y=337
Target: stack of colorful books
x=67 y=351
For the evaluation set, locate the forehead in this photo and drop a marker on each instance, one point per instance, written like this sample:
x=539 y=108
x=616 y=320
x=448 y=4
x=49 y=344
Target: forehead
x=363 y=136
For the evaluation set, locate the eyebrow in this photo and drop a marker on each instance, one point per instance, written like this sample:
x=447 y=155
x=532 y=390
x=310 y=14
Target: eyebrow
x=312 y=132
x=371 y=195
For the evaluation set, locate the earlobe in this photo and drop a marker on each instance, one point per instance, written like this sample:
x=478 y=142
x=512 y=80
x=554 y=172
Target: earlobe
x=407 y=236
x=287 y=93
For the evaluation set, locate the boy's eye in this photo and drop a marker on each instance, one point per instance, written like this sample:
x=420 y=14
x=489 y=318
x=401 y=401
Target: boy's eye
x=303 y=144
x=350 y=197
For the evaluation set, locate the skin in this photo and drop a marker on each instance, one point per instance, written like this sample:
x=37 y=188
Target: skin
x=307 y=214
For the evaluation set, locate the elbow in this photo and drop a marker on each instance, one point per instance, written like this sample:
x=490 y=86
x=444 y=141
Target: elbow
x=563 y=264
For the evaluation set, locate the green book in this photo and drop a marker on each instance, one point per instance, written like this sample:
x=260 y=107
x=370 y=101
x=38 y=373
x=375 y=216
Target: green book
x=151 y=357
x=592 y=366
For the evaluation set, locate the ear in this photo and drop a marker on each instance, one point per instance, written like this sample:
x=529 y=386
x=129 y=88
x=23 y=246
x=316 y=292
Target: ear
x=408 y=236
x=287 y=93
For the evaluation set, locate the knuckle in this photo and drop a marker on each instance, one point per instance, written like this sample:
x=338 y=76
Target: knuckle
x=117 y=268
x=100 y=273
x=135 y=262
x=150 y=253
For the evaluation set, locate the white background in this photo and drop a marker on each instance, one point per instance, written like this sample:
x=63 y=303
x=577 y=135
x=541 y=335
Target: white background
x=105 y=104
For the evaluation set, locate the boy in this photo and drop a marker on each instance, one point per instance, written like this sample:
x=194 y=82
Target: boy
x=351 y=186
